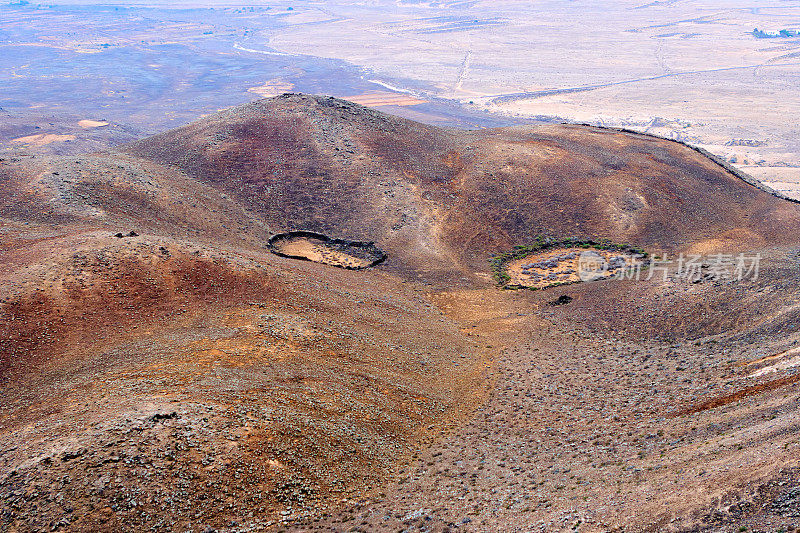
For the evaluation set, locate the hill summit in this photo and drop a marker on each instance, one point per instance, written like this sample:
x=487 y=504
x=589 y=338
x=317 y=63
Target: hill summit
x=162 y=368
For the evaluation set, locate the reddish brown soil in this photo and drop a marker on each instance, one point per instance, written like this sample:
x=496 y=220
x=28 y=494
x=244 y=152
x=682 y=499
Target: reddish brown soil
x=739 y=395
x=182 y=377
x=439 y=200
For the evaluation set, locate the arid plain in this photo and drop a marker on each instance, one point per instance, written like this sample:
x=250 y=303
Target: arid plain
x=180 y=351
x=687 y=70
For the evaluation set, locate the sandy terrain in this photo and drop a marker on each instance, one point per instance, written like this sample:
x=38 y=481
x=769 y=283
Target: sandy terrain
x=89 y=124
x=42 y=139
x=782 y=361
x=558 y=266
x=321 y=251
x=146 y=70
x=384 y=98
x=272 y=88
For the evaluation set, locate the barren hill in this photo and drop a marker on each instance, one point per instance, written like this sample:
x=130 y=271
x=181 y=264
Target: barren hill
x=323 y=164
x=161 y=369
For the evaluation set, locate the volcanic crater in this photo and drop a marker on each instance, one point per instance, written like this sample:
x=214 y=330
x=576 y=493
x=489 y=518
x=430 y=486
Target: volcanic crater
x=554 y=263
x=319 y=248
x=188 y=379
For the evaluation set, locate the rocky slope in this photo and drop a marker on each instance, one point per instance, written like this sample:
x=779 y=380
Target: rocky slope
x=162 y=370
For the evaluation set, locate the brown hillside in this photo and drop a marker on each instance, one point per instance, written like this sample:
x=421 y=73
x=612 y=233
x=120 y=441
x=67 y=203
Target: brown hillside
x=161 y=368
x=433 y=196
